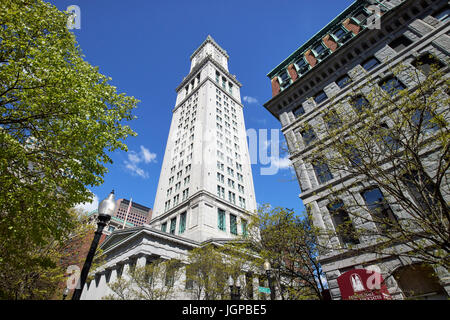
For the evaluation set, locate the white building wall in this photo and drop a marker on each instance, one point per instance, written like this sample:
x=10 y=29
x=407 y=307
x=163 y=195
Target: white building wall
x=202 y=94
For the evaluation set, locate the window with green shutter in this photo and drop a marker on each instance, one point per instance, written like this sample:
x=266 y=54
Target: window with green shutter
x=233 y=224
x=182 y=223
x=221 y=219
x=244 y=227
x=173 y=224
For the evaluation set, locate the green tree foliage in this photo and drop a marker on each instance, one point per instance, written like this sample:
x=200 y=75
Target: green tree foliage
x=59 y=118
x=207 y=273
x=392 y=134
x=289 y=242
x=39 y=271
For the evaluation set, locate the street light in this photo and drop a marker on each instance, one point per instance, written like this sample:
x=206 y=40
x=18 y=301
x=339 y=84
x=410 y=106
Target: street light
x=267 y=267
x=235 y=294
x=105 y=209
x=65 y=293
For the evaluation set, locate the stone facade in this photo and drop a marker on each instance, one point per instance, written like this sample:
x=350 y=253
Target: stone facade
x=294 y=107
x=141 y=245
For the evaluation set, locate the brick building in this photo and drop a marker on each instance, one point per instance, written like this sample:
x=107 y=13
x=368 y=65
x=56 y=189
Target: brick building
x=327 y=69
x=138 y=214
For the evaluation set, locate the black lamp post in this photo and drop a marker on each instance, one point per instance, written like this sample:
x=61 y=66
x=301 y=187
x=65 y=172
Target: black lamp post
x=235 y=288
x=105 y=210
x=267 y=267
x=65 y=293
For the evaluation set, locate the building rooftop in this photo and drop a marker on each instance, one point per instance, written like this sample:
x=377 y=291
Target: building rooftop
x=357 y=13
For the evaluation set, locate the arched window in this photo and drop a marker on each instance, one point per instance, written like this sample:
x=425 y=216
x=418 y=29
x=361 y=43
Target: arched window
x=419 y=281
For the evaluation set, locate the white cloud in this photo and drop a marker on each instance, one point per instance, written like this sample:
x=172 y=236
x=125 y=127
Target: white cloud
x=134 y=159
x=281 y=163
x=249 y=99
x=147 y=155
x=88 y=206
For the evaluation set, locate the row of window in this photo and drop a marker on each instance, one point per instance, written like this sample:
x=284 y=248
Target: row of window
x=376 y=205
x=382 y=214
x=231 y=184
x=231 y=195
x=341 y=35
x=398 y=45
x=173 y=224
x=387 y=144
x=221 y=219
x=226 y=85
x=190 y=86
x=391 y=85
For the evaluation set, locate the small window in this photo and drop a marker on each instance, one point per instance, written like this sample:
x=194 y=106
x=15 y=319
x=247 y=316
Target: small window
x=353 y=156
x=321 y=51
x=332 y=120
x=423 y=119
x=173 y=224
x=221 y=219
x=400 y=43
x=390 y=142
x=422 y=189
x=320 y=97
x=244 y=228
x=182 y=226
x=217 y=76
x=361 y=16
x=319 y=48
x=308 y=136
x=342 y=36
x=285 y=80
x=299 y=111
x=370 y=63
x=359 y=103
x=302 y=66
x=343 y=81
x=443 y=14
x=426 y=62
x=164 y=227
x=233 y=224
x=322 y=171
x=391 y=85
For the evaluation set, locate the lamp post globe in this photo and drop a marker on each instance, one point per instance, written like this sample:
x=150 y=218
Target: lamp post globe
x=268 y=269
x=65 y=293
x=235 y=294
x=107 y=206
x=105 y=210
x=266 y=265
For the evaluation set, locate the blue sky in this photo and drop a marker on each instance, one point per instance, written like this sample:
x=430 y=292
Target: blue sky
x=144 y=46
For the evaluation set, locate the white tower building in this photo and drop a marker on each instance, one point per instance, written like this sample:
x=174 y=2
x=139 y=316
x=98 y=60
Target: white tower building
x=205 y=188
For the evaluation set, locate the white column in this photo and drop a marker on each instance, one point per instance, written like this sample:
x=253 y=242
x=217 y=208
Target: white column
x=112 y=279
x=255 y=288
x=101 y=288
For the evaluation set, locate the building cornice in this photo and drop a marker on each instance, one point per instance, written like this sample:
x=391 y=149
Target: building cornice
x=200 y=65
x=304 y=47
x=209 y=39
x=208 y=78
x=187 y=204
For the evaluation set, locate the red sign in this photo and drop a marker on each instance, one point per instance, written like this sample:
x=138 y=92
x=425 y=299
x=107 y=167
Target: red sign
x=362 y=284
